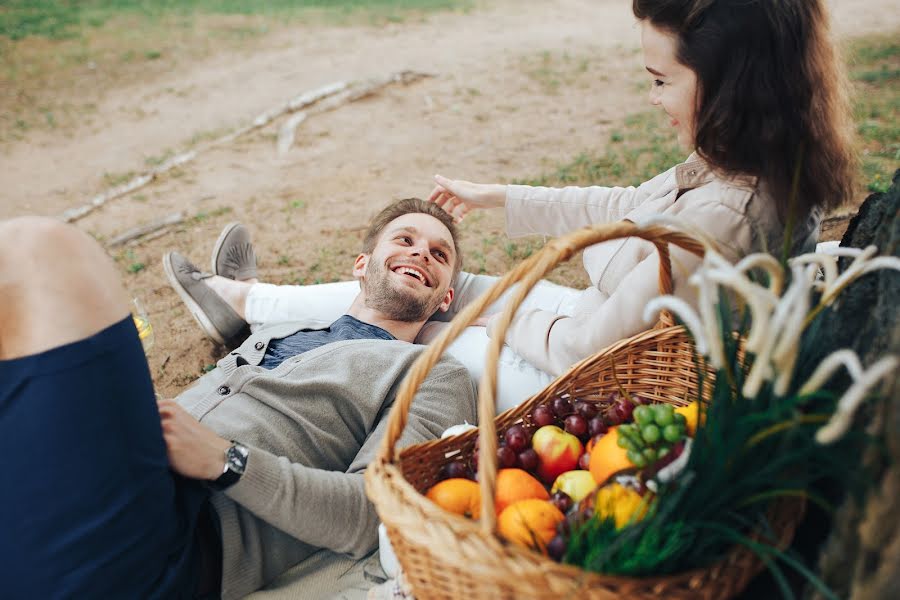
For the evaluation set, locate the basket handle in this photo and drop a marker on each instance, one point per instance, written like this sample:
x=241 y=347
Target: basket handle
x=528 y=273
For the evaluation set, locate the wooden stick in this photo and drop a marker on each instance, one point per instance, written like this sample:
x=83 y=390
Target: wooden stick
x=146 y=229
x=340 y=92
x=301 y=101
x=287 y=133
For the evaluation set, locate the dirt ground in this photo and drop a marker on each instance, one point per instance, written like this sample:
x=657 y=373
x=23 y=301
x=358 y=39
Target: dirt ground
x=517 y=88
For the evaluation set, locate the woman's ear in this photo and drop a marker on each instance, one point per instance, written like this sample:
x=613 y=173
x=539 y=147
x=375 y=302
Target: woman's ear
x=360 y=266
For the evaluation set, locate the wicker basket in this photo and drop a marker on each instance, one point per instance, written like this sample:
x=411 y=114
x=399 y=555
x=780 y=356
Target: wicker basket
x=445 y=556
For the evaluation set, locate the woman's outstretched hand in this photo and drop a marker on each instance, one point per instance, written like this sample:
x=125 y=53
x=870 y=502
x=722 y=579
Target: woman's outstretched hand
x=458 y=197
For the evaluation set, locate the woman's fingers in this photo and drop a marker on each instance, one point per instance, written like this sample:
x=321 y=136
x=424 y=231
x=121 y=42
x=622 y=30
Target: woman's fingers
x=443 y=182
x=449 y=202
x=436 y=193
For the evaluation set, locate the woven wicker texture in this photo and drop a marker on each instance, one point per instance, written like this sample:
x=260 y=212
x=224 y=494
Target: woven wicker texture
x=448 y=556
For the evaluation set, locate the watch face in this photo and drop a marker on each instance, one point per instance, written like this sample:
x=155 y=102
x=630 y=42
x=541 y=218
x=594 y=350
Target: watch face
x=237 y=459
x=235 y=463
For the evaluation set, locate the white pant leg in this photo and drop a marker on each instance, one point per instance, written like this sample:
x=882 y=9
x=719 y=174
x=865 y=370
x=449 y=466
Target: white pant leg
x=267 y=303
x=517 y=380
x=545 y=295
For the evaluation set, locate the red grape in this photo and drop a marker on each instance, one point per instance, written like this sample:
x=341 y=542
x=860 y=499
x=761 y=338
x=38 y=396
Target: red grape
x=516 y=438
x=624 y=410
x=562 y=501
x=584 y=461
x=528 y=459
x=455 y=469
x=556 y=549
x=612 y=416
x=562 y=407
x=542 y=415
x=576 y=425
x=585 y=409
x=597 y=426
x=506 y=457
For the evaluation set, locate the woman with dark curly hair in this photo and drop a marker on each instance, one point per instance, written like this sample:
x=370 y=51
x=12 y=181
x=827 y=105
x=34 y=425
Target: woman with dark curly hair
x=756 y=95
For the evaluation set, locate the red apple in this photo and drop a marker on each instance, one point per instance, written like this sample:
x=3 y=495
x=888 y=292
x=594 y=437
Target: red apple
x=557 y=450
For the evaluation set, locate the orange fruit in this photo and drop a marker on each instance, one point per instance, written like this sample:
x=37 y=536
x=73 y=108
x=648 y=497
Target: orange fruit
x=459 y=496
x=607 y=458
x=530 y=522
x=516 y=484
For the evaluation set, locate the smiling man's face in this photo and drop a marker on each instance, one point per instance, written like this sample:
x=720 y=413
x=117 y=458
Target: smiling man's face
x=408 y=275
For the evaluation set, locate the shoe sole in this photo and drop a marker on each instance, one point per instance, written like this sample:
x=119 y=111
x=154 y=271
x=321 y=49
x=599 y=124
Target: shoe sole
x=218 y=247
x=194 y=308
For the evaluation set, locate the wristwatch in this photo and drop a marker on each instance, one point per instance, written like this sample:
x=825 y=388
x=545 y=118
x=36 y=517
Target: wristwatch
x=235 y=463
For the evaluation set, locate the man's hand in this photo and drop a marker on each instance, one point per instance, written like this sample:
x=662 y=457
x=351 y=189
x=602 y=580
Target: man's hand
x=458 y=197
x=194 y=449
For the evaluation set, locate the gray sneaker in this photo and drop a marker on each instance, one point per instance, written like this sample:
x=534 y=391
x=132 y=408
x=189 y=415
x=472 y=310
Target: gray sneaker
x=211 y=312
x=233 y=256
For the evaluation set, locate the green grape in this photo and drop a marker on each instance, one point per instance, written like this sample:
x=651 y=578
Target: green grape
x=626 y=443
x=665 y=417
x=672 y=433
x=649 y=454
x=632 y=435
x=659 y=410
x=680 y=419
x=650 y=433
x=663 y=451
x=643 y=415
x=637 y=459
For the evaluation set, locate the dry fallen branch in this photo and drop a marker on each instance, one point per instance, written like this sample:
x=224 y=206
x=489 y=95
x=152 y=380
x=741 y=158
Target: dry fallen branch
x=301 y=101
x=356 y=92
x=287 y=131
x=340 y=93
x=146 y=229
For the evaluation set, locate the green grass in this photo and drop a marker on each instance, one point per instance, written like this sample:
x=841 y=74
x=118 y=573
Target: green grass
x=875 y=72
x=48 y=46
x=62 y=19
x=557 y=73
x=643 y=148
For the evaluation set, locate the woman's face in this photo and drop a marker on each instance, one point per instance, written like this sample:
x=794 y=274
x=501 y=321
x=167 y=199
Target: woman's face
x=674 y=86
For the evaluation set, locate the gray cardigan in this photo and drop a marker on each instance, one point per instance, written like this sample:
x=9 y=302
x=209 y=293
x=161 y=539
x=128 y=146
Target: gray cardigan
x=312 y=425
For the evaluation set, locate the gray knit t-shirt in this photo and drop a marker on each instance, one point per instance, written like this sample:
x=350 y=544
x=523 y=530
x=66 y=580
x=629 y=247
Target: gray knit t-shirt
x=345 y=328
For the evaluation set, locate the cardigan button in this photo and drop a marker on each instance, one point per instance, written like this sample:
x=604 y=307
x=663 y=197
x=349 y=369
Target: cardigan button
x=223 y=390
x=259 y=345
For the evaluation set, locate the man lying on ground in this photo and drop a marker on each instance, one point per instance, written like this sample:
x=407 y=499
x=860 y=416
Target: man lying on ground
x=267 y=451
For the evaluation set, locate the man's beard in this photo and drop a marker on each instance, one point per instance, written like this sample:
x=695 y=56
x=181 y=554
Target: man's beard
x=395 y=302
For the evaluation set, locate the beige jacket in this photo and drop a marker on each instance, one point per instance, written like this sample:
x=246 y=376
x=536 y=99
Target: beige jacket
x=736 y=212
